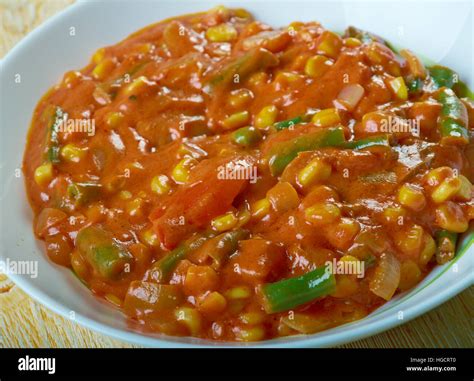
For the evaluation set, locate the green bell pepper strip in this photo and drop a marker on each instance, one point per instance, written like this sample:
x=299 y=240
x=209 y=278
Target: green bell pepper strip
x=284 y=124
x=379 y=140
x=284 y=152
x=452 y=123
x=415 y=86
x=242 y=67
x=446 y=245
x=162 y=269
x=107 y=257
x=293 y=292
x=84 y=193
x=222 y=246
x=52 y=140
x=446 y=240
x=443 y=76
x=246 y=136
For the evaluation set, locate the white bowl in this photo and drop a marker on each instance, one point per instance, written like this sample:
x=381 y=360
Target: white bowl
x=49 y=51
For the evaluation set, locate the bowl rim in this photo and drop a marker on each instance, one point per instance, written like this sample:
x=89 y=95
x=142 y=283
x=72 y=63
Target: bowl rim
x=300 y=341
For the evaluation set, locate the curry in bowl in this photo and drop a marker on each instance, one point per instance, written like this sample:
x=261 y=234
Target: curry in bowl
x=214 y=177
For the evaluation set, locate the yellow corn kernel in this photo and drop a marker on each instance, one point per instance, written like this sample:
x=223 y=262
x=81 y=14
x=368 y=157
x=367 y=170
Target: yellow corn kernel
x=260 y=208
x=221 y=33
x=446 y=190
x=465 y=191
x=437 y=175
x=326 y=118
x=135 y=207
x=317 y=170
x=286 y=77
x=180 y=173
x=239 y=119
x=225 y=222
x=324 y=213
x=242 y=13
x=411 y=197
x=214 y=303
x=450 y=216
x=241 y=292
x=399 y=88
x=295 y=26
x=190 y=318
x=410 y=240
x=240 y=98
x=373 y=52
x=283 y=197
x=266 y=117
x=103 y=68
x=410 y=275
x=258 y=79
x=150 y=238
x=125 y=195
x=72 y=153
x=220 y=10
x=98 y=56
x=428 y=250
x=330 y=44
x=137 y=86
x=352 y=42
x=252 y=318
x=114 y=118
x=251 y=334
x=44 y=174
x=394 y=215
x=316 y=66
x=160 y=184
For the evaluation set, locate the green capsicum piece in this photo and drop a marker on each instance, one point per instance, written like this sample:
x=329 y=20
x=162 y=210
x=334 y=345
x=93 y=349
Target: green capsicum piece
x=452 y=123
x=242 y=67
x=84 y=193
x=246 y=136
x=415 y=86
x=446 y=246
x=283 y=153
x=284 y=124
x=290 y=293
x=162 y=269
x=443 y=76
x=52 y=140
x=222 y=246
x=107 y=257
x=379 y=140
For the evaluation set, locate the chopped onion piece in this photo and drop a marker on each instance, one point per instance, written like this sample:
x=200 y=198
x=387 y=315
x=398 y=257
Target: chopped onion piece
x=386 y=277
x=350 y=96
x=307 y=324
